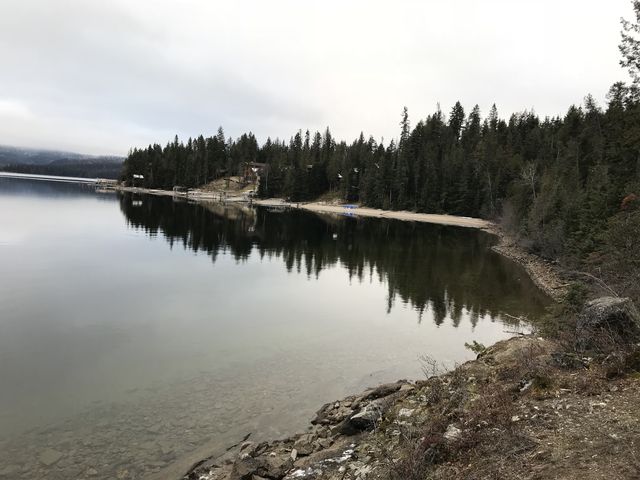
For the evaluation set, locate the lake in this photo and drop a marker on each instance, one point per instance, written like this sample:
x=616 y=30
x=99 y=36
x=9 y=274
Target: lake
x=138 y=333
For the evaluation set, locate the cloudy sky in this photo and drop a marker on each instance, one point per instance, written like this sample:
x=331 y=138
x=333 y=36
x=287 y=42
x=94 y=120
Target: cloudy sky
x=100 y=76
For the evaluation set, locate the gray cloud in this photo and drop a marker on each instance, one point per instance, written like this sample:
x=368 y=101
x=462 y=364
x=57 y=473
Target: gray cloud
x=103 y=76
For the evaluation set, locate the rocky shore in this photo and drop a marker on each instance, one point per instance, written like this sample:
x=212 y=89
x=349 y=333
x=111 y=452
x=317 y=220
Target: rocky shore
x=548 y=276
x=516 y=411
x=526 y=408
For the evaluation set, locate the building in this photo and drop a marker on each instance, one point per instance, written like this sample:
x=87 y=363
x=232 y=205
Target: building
x=253 y=171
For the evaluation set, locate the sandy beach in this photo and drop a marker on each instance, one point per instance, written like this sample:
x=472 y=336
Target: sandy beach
x=373 y=212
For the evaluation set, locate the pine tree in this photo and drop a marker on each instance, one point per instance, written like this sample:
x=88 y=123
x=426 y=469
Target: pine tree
x=630 y=45
x=456 y=120
x=405 y=127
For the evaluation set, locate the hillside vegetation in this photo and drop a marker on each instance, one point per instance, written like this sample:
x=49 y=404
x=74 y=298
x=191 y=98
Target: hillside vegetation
x=567 y=186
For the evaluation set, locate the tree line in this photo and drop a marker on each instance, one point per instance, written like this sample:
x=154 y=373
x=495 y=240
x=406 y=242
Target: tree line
x=562 y=184
x=552 y=176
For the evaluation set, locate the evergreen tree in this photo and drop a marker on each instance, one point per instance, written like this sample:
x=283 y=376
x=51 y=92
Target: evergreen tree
x=630 y=45
x=456 y=120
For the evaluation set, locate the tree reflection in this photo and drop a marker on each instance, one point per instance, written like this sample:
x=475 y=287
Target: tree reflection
x=450 y=272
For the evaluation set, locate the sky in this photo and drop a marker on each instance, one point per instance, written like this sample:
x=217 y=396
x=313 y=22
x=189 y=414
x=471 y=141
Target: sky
x=100 y=77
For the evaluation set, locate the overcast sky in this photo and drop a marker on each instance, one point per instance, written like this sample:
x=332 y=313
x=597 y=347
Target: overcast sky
x=99 y=76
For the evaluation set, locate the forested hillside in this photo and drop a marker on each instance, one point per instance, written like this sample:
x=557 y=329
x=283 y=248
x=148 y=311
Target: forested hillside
x=50 y=162
x=71 y=168
x=567 y=186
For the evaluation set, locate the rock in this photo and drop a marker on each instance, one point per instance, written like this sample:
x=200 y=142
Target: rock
x=570 y=361
x=10 y=471
x=383 y=390
x=407 y=387
x=294 y=454
x=244 y=468
x=325 y=443
x=365 y=419
x=362 y=471
x=249 y=448
x=271 y=465
x=275 y=466
x=304 y=445
x=92 y=472
x=452 y=433
x=405 y=412
x=332 y=414
x=155 y=429
x=616 y=317
x=166 y=448
x=368 y=417
x=50 y=456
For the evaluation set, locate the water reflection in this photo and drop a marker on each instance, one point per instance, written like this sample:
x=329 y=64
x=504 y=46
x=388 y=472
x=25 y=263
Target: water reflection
x=137 y=330
x=446 y=271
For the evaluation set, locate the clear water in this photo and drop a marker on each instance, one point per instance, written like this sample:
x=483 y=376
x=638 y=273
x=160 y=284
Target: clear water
x=139 y=333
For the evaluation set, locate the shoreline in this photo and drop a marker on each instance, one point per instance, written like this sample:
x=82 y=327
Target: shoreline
x=330 y=444
x=460 y=424
x=546 y=275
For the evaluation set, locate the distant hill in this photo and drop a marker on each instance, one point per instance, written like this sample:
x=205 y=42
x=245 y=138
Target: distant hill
x=51 y=162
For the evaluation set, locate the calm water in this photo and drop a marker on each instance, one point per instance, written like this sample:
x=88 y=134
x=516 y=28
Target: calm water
x=138 y=332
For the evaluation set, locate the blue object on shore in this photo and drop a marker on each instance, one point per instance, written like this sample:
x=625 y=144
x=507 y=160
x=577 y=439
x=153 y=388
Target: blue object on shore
x=350 y=206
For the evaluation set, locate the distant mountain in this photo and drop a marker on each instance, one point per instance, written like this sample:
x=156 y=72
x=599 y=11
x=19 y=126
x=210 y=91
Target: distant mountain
x=51 y=162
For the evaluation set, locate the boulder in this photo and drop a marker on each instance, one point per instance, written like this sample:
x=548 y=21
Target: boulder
x=606 y=321
x=367 y=417
x=384 y=390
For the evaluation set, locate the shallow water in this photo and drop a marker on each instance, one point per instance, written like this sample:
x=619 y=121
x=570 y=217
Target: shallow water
x=134 y=330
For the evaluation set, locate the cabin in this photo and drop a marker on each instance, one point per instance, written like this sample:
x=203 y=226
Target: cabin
x=180 y=190
x=253 y=171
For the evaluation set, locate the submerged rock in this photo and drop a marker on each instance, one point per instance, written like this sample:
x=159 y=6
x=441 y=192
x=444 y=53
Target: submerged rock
x=50 y=456
x=9 y=471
